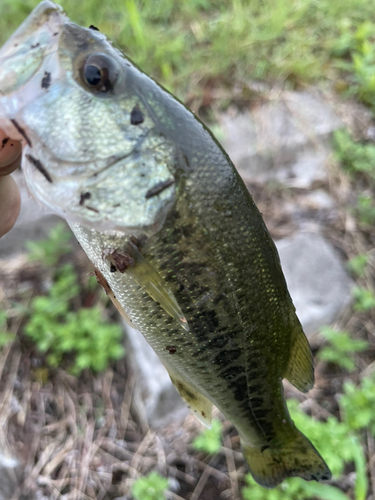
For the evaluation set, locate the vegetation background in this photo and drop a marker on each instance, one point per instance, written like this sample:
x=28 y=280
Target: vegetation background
x=64 y=333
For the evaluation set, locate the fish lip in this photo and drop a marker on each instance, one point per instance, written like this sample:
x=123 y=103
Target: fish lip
x=54 y=17
x=22 y=57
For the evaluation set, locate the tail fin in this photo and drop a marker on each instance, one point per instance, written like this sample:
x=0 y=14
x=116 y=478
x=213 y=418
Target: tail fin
x=297 y=457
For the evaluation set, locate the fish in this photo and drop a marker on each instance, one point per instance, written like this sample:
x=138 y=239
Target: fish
x=174 y=235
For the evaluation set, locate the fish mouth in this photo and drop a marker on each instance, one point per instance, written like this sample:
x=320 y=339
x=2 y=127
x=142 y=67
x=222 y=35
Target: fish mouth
x=33 y=74
x=31 y=48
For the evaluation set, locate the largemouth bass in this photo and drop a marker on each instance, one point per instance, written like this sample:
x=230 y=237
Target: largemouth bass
x=173 y=233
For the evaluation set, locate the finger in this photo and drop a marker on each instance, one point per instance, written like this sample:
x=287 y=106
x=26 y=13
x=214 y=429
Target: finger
x=10 y=204
x=10 y=154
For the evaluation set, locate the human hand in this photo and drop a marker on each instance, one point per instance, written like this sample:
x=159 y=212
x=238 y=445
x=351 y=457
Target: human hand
x=10 y=200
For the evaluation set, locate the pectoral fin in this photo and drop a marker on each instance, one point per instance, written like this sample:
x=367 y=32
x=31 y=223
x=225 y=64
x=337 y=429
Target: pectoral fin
x=151 y=281
x=300 y=370
x=198 y=404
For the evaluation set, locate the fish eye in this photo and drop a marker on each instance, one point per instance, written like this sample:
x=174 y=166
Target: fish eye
x=99 y=73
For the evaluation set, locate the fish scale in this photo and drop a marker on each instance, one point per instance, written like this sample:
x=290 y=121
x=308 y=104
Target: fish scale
x=176 y=239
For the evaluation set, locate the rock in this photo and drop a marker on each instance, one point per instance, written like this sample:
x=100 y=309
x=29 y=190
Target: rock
x=285 y=139
x=316 y=278
x=9 y=476
x=33 y=223
x=318 y=200
x=161 y=402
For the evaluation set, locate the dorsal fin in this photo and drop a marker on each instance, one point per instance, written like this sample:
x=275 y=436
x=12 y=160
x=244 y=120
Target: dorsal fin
x=300 y=369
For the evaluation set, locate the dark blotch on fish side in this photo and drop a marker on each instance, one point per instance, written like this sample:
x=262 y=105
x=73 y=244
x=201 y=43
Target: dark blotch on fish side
x=171 y=349
x=158 y=188
x=4 y=141
x=38 y=165
x=46 y=80
x=84 y=197
x=34 y=46
x=136 y=116
x=184 y=390
x=22 y=132
x=113 y=268
x=92 y=27
x=119 y=260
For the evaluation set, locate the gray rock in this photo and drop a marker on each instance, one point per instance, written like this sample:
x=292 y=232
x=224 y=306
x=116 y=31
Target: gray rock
x=317 y=280
x=285 y=139
x=9 y=476
x=318 y=200
x=33 y=223
x=156 y=397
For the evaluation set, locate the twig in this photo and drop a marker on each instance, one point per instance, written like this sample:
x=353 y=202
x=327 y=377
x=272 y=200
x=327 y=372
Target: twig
x=162 y=461
x=371 y=464
x=214 y=472
x=231 y=469
x=85 y=461
x=59 y=457
x=125 y=407
x=172 y=495
x=203 y=479
x=142 y=448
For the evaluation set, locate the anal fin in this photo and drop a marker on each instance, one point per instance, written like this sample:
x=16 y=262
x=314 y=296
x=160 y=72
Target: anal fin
x=300 y=369
x=198 y=404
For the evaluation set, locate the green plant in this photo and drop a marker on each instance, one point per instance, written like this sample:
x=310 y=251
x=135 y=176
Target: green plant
x=230 y=40
x=80 y=336
x=356 y=45
x=358 y=404
x=210 y=439
x=292 y=489
x=76 y=339
x=49 y=251
x=366 y=209
x=354 y=156
x=341 y=348
x=357 y=264
x=364 y=299
x=334 y=441
x=150 y=487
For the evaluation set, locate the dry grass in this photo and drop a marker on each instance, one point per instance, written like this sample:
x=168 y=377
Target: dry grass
x=83 y=439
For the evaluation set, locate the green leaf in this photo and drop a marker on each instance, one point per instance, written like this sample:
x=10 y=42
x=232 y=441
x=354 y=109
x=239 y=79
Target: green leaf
x=49 y=251
x=210 y=439
x=361 y=483
x=150 y=487
x=358 y=264
x=364 y=299
x=324 y=491
x=341 y=348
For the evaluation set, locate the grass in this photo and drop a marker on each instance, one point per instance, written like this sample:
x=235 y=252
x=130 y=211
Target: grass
x=184 y=45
